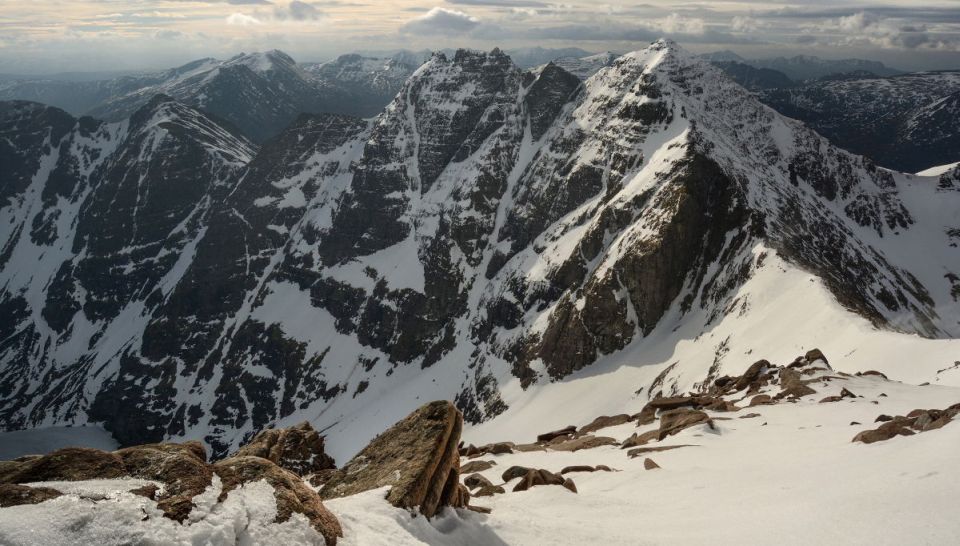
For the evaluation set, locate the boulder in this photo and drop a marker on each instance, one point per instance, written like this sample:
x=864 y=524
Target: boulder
x=831 y=399
x=750 y=416
x=584 y=442
x=299 y=449
x=68 y=464
x=674 y=421
x=15 y=494
x=752 y=374
x=550 y=436
x=649 y=464
x=872 y=373
x=476 y=466
x=474 y=481
x=489 y=491
x=291 y=493
x=537 y=477
x=568 y=483
x=182 y=468
x=499 y=448
x=641 y=439
x=417 y=458
x=760 y=400
x=844 y=393
x=816 y=354
x=514 y=472
x=578 y=468
x=605 y=421
x=883 y=419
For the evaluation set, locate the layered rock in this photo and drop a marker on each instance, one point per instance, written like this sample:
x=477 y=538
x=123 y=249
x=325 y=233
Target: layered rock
x=417 y=458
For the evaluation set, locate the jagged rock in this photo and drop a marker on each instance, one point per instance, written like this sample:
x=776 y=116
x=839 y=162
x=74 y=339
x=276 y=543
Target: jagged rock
x=529 y=447
x=751 y=375
x=643 y=450
x=182 y=468
x=499 y=448
x=760 y=400
x=537 y=477
x=299 y=449
x=750 y=416
x=550 y=436
x=319 y=478
x=148 y=491
x=474 y=481
x=792 y=385
x=649 y=464
x=15 y=494
x=831 y=399
x=641 y=439
x=514 y=472
x=291 y=493
x=584 y=442
x=883 y=419
x=605 y=421
x=469 y=451
x=489 y=491
x=417 y=457
x=816 y=354
x=68 y=464
x=844 y=393
x=674 y=421
x=477 y=466
x=872 y=373
x=570 y=485
x=479 y=509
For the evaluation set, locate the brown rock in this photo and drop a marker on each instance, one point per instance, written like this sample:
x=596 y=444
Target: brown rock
x=470 y=451
x=883 y=419
x=760 y=400
x=640 y=439
x=643 y=450
x=831 y=399
x=514 y=472
x=605 y=421
x=477 y=466
x=291 y=493
x=321 y=477
x=750 y=416
x=751 y=375
x=479 y=509
x=499 y=448
x=182 y=469
x=549 y=436
x=646 y=416
x=528 y=447
x=68 y=464
x=417 y=457
x=872 y=372
x=568 y=483
x=299 y=449
x=474 y=481
x=15 y=495
x=674 y=421
x=899 y=426
x=578 y=468
x=534 y=478
x=489 y=491
x=584 y=442
x=816 y=354
x=149 y=491
x=649 y=464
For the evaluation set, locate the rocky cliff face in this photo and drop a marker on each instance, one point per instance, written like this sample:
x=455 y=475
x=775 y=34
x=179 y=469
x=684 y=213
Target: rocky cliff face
x=490 y=224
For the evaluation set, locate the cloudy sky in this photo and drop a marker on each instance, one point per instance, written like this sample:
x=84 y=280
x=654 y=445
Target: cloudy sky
x=58 y=35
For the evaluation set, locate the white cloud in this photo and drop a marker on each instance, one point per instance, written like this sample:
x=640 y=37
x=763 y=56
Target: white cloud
x=242 y=19
x=441 y=21
x=743 y=23
x=678 y=24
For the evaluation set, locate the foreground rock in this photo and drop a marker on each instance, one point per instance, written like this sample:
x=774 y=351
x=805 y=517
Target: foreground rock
x=15 y=495
x=417 y=457
x=299 y=449
x=183 y=471
x=291 y=493
x=535 y=477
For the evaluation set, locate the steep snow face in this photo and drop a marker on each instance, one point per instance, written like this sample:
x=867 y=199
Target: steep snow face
x=497 y=235
x=584 y=67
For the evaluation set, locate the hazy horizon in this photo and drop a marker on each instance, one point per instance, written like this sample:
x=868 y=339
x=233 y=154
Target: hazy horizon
x=51 y=36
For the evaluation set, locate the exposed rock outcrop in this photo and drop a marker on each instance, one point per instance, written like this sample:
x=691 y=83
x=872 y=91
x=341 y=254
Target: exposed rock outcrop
x=15 y=494
x=417 y=457
x=299 y=449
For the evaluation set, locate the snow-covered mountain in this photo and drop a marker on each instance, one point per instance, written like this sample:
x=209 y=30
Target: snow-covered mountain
x=584 y=67
x=526 y=243
x=906 y=122
x=259 y=93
